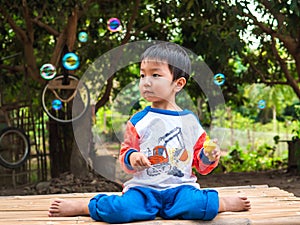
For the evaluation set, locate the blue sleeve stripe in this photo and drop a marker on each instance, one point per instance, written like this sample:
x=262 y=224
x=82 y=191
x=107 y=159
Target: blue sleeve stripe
x=126 y=159
x=205 y=159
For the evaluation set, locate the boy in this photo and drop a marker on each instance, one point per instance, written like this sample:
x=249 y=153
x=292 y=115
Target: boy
x=161 y=145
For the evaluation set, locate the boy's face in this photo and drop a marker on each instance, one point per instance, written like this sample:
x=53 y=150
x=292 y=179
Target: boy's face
x=157 y=85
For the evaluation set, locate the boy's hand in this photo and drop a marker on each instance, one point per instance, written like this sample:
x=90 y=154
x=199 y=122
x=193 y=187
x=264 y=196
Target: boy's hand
x=212 y=150
x=139 y=161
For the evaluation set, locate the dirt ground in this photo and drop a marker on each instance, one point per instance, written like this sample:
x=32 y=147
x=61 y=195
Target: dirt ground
x=288 y=181
x=68 y=183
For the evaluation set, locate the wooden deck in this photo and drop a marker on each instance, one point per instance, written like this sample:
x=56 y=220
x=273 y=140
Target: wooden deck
x=270 y=205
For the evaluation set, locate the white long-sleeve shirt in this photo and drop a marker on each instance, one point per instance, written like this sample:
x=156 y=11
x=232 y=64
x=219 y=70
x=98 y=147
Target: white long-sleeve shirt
x=172 y=141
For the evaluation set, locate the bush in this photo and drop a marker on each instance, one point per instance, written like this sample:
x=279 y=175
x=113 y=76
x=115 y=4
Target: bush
x=262 y=158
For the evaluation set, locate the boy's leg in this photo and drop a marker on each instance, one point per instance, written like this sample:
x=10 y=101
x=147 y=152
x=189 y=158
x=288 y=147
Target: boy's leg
x=234 y=204
x=190 y=203
x=135 y=204
x=65 y=207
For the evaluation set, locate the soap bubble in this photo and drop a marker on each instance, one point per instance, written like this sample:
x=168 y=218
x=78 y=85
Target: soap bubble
x=70 y=61
x=219 y=79
x=102 y=156
x=114 y=24
x=261 y=104
x=82 y=36
x=47 y=71
x=56 y=104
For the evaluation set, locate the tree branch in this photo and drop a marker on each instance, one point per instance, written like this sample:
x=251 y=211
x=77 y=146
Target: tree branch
x=71 y=28
x=68 y=35
x=288 y=41
x=291 y=81
x=48 y=28
x=109 y=84
x=41 y=24
x=60 y=43
x=143 y=28
x=41 y=13
x=105 y=96
x=131 y=21
x=259 y=72
x=275 y=82
x=263 y=79
x=12 y=69
x=277 y=15
x=19 y=32
x=85 y=8
x=29 y=30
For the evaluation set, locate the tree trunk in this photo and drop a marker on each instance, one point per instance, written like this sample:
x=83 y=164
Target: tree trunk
x=60 y=138
x=294 y=156
x=66 y=153
x=274 y=118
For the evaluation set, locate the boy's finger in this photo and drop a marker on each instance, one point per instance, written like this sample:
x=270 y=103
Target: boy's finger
x=146 y=162
x=215 y=140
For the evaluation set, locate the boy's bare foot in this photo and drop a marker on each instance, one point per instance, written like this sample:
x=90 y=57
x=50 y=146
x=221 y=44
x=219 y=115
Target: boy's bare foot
x=234 y=204
x=64 y=207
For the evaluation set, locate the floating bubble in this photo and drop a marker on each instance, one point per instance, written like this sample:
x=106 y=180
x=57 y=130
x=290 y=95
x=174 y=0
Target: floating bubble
x=261 y=104
x=105 y=161
x=219 y=79
x=114 y=24
x=82 y=36
x=47 y=71
x=70 y=61
x=56 y=104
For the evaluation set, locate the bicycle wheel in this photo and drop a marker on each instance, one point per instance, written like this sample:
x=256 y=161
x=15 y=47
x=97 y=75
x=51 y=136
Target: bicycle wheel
x=14 y=147
x=58 y=95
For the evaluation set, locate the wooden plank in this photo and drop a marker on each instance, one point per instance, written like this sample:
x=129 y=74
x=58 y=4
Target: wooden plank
x=257 y=215
x=292 y=220
x=223 y=221
x=272 y=191
x=278 y=205
x=49 y=222
x=52 y=196
x=270 y=205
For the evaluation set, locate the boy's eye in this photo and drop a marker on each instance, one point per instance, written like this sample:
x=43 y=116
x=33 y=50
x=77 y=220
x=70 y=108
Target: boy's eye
x=156 y=75
x=142 y=75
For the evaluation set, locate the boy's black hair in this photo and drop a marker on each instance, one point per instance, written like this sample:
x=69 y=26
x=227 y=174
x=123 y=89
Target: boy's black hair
x=171 y=53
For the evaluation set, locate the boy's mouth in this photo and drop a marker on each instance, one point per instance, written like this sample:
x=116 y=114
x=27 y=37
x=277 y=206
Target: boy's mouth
x=147 y=93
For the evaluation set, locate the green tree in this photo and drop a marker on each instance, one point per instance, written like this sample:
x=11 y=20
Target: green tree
x=274 y=97
x=275 y=28
x=35 y=32
x=42 y=32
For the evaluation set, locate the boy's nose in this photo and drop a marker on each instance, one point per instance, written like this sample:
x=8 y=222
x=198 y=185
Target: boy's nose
x=147 y=81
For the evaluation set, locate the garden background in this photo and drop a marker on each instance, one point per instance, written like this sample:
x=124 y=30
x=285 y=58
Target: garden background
x=255 y=44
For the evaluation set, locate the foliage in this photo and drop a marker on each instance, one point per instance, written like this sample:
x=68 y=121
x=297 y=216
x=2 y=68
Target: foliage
x=272 y=26
x=218 y=24
x=219 y=32
x=243 y=118
x=245 y=160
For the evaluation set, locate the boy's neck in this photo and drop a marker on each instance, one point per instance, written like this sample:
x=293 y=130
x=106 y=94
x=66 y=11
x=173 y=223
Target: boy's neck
x=173 y=107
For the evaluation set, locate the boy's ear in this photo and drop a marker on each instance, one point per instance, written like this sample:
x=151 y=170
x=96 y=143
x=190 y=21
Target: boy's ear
x=180 y=83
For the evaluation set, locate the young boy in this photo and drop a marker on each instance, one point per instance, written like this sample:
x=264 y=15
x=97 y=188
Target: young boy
x=161 y=145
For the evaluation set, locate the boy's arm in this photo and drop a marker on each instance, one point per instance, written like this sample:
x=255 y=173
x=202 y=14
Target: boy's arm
x=129 y=145
x=201 y=162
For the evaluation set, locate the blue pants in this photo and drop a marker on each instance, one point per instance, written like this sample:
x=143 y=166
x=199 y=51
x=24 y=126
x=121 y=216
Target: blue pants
x=140 y=203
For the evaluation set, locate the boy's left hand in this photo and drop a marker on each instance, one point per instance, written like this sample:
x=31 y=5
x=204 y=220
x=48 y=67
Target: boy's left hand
x=212 y=151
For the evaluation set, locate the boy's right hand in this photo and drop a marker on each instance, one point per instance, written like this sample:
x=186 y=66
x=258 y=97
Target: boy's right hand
x=139 y=161
x=212 y=149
